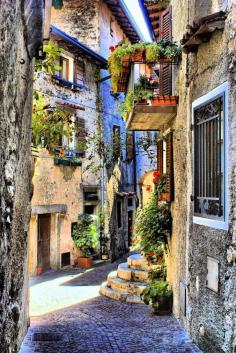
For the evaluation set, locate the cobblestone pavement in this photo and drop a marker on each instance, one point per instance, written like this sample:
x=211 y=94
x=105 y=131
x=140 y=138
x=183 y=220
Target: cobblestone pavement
x=102 y=325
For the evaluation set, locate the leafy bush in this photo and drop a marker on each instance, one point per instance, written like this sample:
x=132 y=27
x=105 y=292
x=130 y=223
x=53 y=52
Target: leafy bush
x=153 y=223
x=85 y=234
x=154 y=291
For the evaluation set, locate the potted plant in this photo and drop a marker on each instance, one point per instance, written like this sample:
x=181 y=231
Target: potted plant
x=159 y=295
x=139 y=96
x=137 y=52
x=85 y=238
x=152 y=53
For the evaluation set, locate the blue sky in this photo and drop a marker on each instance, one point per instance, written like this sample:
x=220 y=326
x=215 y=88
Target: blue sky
x=136 y=12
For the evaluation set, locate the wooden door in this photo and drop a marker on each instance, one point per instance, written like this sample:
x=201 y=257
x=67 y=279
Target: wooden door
x=44 y=226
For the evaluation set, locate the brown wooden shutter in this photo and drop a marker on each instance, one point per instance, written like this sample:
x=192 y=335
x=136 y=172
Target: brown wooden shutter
x=165 y=68
x=129 y=146
x=80 y=134
x=169 y=167
x=165 y=79
x=166 y=24
x=79 y=73
x=160 y=156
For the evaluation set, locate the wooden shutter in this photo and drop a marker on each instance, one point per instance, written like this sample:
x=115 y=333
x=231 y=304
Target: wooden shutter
x=165 y=79
x=79 y=73
x=80 y=134
x=165 y=68
x=160 y=156
x=129 y=146
x=166 y=24
x=169 y=167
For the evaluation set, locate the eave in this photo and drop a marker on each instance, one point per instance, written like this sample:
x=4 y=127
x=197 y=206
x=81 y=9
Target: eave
x=83 y=49
x=124 y=19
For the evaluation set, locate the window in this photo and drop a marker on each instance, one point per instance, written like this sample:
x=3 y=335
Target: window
x=209 y=126
x=116 y=142
x=64 y=71
x=119 y=214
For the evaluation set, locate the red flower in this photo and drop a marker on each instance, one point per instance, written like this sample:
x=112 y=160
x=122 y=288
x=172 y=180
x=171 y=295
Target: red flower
x=111 y=48
x=155 y=180
x=156 y=174
x=148 y=187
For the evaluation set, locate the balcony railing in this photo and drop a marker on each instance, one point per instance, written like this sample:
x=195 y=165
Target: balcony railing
x=154 y=104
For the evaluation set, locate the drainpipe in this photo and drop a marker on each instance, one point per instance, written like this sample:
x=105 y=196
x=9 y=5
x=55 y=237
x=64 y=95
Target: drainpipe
x=135 y=165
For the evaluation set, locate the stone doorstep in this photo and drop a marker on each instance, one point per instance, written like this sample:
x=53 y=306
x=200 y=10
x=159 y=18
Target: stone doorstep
x=138 y=262
x=124 y=297
x=129 y=274
x=121 y=285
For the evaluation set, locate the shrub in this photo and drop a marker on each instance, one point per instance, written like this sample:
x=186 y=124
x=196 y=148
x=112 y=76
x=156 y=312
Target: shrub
x=85 y=234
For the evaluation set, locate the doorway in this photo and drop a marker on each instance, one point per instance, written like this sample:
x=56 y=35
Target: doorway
x=43 y=253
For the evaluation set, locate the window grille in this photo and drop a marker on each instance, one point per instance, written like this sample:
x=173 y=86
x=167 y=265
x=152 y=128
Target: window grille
x=209 y=159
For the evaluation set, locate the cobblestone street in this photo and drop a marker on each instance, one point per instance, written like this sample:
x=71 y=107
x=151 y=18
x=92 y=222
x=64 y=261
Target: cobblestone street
x=96 y=325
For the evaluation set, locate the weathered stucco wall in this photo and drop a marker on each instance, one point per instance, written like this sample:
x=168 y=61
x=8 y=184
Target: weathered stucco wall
x=59 y=185
x=55 y=185
x=211 y=66
x=21 y=35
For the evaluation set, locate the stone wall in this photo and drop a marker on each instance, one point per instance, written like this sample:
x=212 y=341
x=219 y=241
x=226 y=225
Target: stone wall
x=211 y=66
x=79 y=19
x=21 y=35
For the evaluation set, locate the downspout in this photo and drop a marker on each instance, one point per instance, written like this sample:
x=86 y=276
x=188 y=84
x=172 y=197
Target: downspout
x=135 y=164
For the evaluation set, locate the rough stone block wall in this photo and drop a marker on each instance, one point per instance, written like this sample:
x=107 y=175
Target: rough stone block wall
x=213 y=65
x=21 y=35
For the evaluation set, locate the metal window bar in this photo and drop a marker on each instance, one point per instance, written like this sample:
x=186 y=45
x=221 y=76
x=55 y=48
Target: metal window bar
x=208 y=159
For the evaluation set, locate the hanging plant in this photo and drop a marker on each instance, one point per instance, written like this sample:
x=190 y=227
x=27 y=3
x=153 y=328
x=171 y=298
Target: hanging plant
x=139 y=94
x=152 y=53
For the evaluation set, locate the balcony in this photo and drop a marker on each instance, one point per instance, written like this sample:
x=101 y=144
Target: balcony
x=154 y=107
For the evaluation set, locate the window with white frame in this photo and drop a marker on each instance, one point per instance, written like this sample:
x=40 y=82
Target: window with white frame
x=71 y=70
x=209 y=127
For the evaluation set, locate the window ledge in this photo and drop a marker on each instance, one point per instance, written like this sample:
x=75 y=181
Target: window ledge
x=212 y=223
x=67 y=83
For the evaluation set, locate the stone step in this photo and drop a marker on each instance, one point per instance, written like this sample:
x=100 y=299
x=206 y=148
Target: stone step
x=124 y=297
x=129 y=274
x=123 y=286
x=138 y=262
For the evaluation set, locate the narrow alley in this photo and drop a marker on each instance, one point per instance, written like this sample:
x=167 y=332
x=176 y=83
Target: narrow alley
x=98 y=324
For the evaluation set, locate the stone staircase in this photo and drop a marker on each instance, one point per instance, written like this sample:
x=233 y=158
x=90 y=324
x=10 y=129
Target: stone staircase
x=127 y=283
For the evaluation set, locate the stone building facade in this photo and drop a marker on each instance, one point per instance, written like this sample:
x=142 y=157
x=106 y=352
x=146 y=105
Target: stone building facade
x=63 y=192
x=201 y=261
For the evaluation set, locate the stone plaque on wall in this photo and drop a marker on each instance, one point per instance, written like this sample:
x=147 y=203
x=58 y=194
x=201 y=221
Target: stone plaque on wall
x=213 y=274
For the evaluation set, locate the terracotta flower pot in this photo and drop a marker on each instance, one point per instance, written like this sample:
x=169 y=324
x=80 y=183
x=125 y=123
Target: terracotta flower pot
x=164 y=196
x=85 y=262
x=125 y=61
x=165 y=306
x=142 y=102
x=165 y=100
x=138 y=56
x=38 y=270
